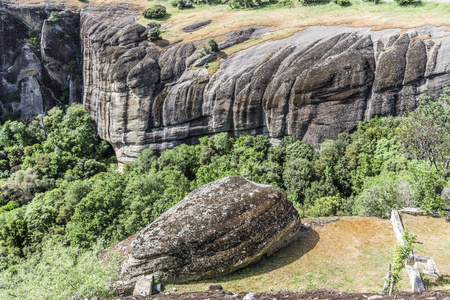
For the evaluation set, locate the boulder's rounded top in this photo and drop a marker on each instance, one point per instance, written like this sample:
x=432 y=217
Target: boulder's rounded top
x=218 y=228
x=216 y=207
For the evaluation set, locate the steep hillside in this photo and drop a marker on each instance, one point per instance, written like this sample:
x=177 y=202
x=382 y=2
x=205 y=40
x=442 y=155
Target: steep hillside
x=40 y=59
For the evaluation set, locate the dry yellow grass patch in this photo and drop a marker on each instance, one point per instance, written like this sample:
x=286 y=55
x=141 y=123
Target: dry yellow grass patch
x=350 y=255
x=285 y=21
x=434 y=234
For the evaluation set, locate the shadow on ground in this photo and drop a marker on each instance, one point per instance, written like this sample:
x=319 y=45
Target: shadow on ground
x=279 y=259
x=431 y=283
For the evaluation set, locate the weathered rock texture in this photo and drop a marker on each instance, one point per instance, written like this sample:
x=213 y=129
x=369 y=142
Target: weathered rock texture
x=40 y=61
x=314 y=85
x=218 y=228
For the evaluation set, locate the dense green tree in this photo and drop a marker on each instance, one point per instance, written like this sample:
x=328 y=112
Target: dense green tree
x=425 y=132
x=379 y=197
x=325 y=207
x=145 y=161
x=14 y=236
x=147 y=196
x=184 y=158
x=426 y=187
x=297 y=177
x=219 y=167
x=22 y=186
x=96 y=215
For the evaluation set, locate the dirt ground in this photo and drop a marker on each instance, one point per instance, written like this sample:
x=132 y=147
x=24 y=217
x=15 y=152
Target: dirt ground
x=346 y=255
x=351 y=255
x=310 y=295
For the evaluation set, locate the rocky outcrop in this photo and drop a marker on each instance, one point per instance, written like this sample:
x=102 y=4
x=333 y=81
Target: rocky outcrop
x=40 y=60
x=313 y=85
x=121 y=75
x=218 y=228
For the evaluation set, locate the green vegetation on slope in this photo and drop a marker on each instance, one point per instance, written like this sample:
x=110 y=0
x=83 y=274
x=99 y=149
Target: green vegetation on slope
x=67 y=192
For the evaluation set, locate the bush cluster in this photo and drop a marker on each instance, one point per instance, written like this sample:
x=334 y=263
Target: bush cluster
x=154 y=33
x=405 y=2
x=182 y=4
x=55 y=17
x=155 y=12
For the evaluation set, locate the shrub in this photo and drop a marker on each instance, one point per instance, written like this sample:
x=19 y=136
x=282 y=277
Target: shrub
x=404 y=2
x=155 y=12
x=306 y=2
x=401 y=253
x=213 y=46
x=342 y=2
x=60 y=273
x=13 y=236
x=426 y=187
x=54 y=17
x=154 y=33
x=22 y=186
x=379 y=197
x=325 y=207
x=96 y=215
x=10 y=206
x=182 y=4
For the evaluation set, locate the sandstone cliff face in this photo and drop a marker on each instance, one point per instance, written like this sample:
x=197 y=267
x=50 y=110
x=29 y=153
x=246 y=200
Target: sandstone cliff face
x=218 y=228
x=40 y=61
x=313 y=85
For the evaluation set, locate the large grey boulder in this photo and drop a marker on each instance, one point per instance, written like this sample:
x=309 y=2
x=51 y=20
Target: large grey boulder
x=218 y=228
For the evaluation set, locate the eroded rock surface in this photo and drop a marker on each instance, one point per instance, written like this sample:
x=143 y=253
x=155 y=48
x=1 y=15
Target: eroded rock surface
x=40 y=60
x=218 y=228
x=313 y=85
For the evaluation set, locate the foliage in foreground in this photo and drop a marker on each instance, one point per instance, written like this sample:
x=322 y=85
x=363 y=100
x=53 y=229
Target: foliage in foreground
x=60 y=272
x=401 y=254
x=364 y=174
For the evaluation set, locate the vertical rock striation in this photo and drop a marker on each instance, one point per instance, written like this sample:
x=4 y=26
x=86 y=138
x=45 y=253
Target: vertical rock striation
x=121 y=75
x=313 y=85
x=40 y=61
